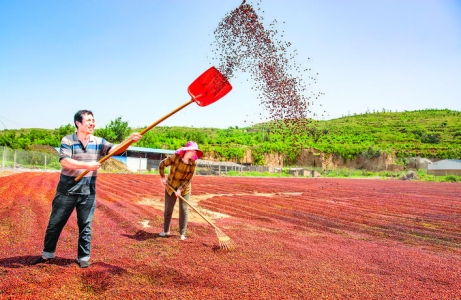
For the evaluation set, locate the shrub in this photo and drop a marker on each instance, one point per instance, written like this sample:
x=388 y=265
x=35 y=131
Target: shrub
x=451 y=178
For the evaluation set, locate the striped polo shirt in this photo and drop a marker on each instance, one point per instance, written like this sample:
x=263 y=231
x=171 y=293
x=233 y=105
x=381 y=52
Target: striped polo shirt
x=71 y=147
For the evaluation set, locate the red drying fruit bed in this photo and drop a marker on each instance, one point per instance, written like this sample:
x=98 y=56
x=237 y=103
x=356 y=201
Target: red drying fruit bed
x=297 y=239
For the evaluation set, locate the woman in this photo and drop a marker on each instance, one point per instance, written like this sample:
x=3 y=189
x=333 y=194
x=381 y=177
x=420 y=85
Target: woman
x=182 y=169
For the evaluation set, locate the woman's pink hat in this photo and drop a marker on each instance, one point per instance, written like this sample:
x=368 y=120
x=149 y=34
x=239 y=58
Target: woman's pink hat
x=190 y=145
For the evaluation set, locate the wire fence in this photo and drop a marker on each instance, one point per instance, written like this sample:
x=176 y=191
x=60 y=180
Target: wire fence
x=223 y=168
x=23 y=160
x=35 y=161
x=206 y=167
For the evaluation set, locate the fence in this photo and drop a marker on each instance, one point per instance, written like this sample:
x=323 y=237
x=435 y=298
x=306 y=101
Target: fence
x=23 y=160
x=15 y=159
x=206 y=167
x=222 y=168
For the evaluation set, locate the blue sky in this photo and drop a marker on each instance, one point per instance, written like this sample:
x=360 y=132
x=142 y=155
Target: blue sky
x=135 y=59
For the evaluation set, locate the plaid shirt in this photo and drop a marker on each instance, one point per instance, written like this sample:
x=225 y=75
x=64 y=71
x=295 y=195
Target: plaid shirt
x=180 y=175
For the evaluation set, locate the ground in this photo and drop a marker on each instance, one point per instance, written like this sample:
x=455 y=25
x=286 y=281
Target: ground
x=297 y=238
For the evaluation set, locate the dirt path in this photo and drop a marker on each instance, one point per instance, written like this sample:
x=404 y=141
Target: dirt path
x=159 y=203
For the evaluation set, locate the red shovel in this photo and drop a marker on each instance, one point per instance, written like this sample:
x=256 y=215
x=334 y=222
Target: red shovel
x=206 y=89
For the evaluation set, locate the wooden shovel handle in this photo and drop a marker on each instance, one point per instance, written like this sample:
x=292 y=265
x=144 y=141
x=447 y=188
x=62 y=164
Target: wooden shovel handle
x=194 y=208
x=128 y=142
x=166 y=117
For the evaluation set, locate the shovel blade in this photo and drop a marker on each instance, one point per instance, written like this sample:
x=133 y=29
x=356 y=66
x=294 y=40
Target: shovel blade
x=209 y=87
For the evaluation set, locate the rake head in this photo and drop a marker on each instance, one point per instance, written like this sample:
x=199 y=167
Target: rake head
x=225 y=243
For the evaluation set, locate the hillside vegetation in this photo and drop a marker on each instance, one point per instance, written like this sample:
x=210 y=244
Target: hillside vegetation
x=427 y=133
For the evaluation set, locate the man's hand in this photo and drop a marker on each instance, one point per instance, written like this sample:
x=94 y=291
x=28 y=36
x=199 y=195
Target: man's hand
x=163 y=181
x=135 y=136
x=93 y=166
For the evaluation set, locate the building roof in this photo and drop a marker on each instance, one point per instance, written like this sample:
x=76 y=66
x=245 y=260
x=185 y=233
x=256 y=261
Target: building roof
x=150 y=150
x=449 y=161
x=446 y=164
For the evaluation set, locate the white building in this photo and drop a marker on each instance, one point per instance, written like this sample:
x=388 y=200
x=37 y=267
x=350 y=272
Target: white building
x=139 y=159
x=445 y=167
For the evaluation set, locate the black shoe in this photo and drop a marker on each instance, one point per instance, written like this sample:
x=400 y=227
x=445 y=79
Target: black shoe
x=84 y=264
x=40 y=260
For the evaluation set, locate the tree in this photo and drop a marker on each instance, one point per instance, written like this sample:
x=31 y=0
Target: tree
x=64 y=130
x=8 y=139
x=115 y=132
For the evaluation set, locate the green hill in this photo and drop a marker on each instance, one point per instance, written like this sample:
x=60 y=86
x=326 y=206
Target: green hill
x=427 y=133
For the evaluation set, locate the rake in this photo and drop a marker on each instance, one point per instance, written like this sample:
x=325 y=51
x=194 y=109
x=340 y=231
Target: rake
x=225 y=242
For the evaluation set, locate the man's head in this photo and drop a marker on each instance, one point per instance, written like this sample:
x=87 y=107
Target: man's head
x=79 y=116
x=85 y=119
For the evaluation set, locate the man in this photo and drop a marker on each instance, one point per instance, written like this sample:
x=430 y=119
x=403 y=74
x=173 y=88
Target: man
x=79 y=151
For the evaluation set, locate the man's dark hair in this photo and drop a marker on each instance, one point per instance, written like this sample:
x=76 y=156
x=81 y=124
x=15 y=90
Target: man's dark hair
x=79 y=115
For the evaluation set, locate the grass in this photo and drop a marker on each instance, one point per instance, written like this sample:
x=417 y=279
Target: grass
x=342 y=173
x=354 y=173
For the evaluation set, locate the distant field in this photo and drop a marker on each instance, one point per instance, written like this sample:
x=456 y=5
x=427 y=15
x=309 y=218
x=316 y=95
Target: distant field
x=299 y=238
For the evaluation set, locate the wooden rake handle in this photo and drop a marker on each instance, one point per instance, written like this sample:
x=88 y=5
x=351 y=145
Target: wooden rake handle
x=128 y=142
x=195 y=209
